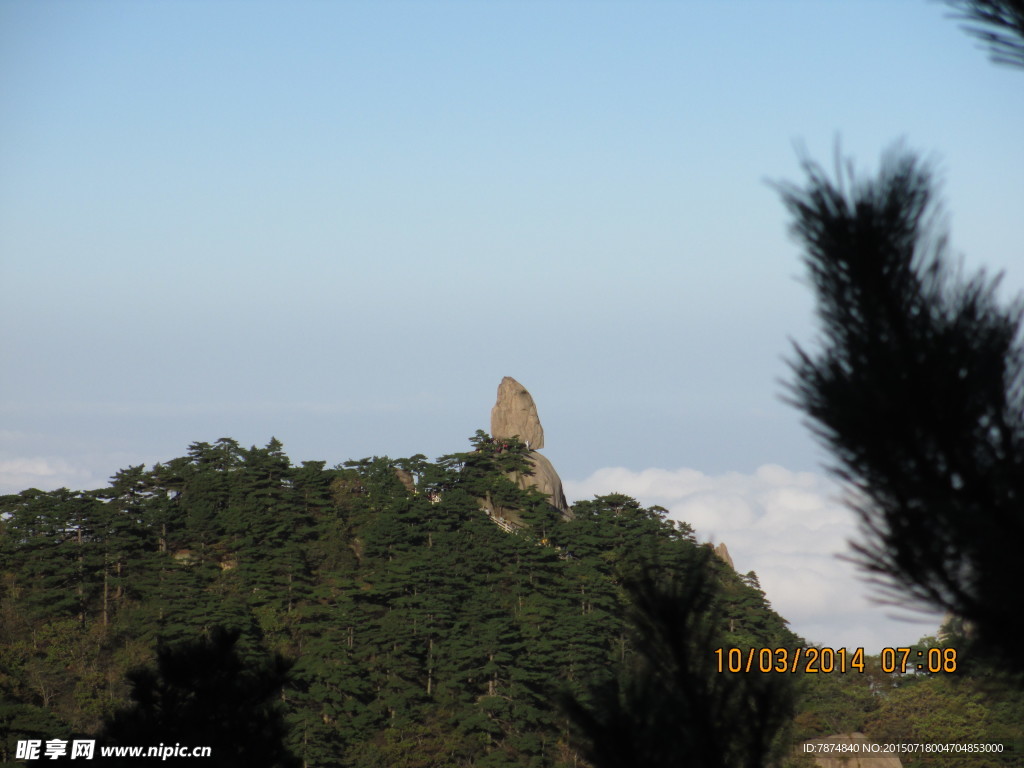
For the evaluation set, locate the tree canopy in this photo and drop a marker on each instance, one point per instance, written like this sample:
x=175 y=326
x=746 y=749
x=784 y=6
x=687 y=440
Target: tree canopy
x=417 y=631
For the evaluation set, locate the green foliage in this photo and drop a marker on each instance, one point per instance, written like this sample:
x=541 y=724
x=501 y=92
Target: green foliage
x=421 y=633
x=937 y=709
x=203 y=693
x=670 y=705
x=979 y=705
x=836 y=702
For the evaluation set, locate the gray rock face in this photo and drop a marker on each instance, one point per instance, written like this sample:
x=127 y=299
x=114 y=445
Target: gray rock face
x=406 y=479
x=723 y=552
x=515 y=413
x=545 y=479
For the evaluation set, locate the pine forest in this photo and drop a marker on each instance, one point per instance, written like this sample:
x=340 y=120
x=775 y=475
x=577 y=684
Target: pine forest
x=401 y=613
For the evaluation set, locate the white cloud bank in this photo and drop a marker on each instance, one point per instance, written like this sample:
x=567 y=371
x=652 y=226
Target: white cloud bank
x=787 y=526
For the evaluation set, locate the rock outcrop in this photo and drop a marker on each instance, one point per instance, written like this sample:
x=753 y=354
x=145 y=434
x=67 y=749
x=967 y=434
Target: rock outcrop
x=723 y=553
x=515 y=415
x=546 y=480
x=862 y=759
x=405 y=477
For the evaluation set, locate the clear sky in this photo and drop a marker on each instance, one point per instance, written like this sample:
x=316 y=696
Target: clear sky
x=341 y=224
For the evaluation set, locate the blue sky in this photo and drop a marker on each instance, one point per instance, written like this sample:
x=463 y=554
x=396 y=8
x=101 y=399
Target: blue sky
x=341 y=224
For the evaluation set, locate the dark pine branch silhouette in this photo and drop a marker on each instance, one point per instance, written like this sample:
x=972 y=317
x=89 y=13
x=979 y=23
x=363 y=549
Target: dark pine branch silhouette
x=918 y=391
x=203 y=694
x=670 y=705
x=998 y=23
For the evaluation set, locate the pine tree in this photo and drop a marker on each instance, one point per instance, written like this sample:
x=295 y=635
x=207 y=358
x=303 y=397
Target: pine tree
x=998 y=23
x=670 y=705
x=202 y=693
x=918 y=391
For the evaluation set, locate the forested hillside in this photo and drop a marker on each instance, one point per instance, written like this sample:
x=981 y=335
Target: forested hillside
x=420 y=632
x=379 y=613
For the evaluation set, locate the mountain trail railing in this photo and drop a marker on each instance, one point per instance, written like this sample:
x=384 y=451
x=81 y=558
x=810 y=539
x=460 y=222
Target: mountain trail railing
x=501 y=522
x=508 y=527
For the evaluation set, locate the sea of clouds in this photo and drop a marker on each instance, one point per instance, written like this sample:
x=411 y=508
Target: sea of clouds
x=791 y=528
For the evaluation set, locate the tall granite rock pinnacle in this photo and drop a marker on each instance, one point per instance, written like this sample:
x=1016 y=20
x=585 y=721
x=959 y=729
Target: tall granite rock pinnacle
x=515 y=414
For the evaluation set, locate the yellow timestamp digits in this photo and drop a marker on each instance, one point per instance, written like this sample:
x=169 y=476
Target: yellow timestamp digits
x=827 y=660
x=809 y=660
x=930 y=660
